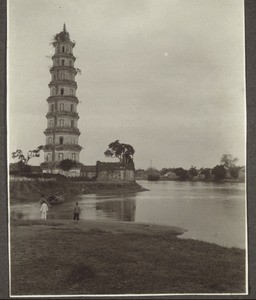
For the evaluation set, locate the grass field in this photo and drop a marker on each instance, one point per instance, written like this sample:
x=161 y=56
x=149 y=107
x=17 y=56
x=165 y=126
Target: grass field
x=59 y=257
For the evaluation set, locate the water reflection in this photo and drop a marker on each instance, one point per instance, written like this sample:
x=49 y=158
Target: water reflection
x=123 y=210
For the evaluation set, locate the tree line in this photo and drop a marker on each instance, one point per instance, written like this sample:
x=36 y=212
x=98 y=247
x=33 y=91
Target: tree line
x=123 y=152
x=227 y=169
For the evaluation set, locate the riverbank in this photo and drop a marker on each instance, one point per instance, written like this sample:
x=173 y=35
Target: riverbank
x=59 y=257
x=30 y=190
x=240 y=180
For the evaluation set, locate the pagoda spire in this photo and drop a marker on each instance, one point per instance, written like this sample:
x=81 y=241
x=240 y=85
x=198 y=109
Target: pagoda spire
x=64 y=27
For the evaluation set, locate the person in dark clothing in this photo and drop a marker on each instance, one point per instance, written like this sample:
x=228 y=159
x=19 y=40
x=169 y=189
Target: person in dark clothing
x=77 y=211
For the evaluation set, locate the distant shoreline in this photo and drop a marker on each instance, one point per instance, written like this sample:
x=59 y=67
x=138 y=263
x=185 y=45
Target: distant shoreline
x=196 y=180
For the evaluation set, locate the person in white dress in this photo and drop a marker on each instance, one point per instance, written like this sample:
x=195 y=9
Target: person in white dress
x=44 y=209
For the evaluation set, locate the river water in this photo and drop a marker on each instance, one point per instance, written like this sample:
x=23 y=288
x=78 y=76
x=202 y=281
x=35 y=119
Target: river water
x=208 y=211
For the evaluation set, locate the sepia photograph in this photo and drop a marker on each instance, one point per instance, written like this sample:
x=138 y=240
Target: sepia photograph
x=126 y=148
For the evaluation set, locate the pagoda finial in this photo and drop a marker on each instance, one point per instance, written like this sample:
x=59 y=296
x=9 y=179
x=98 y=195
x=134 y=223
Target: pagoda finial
x=64 y=27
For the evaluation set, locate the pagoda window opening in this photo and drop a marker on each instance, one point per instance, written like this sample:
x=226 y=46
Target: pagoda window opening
x=61 y=122
x=63 y=62
x=72 y=123
x=61 y=140
x=62 y=91
x=52 y=91
x=50 y=140
x=73 y=156
x=70 y=63
x=63 y=49
x=62 y=107
x=51 y=123
x=62 y=76
x=60 y=156
x=52 y=107
x=72 y=107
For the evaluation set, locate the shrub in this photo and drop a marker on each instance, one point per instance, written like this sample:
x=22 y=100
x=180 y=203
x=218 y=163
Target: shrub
x=219 y=172
x=67 y=164
x=234 y=172
x=181 y=173
x=153 y=177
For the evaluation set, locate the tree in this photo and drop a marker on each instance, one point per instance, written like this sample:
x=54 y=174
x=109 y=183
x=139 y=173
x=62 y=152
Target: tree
x=228 y=160
x=219 y=172
x=192 y=172
x=234 y=172
x=124 y=152
x=181 y=173
x=153 y=177
x=67 y=164
x=206 y=172
x=25 y=159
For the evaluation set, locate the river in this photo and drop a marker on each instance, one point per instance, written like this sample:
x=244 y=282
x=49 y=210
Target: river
x=212 y=212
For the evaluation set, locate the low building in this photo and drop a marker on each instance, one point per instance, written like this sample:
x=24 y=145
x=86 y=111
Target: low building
x=171 y=175
x=53 y=168
x=109 y=171
x=89 y=171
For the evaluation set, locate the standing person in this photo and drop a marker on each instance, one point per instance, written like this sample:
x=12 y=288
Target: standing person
x=44 y=209
x=77 y=211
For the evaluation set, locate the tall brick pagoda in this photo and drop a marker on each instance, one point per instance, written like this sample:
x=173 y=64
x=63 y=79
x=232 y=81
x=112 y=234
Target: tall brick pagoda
x=62 y=133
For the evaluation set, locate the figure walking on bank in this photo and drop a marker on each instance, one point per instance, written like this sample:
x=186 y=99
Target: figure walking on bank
x=77 y=211
x=44 y=209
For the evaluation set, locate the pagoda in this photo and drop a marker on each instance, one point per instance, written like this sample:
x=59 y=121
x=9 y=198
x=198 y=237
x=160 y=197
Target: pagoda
x=62 y=133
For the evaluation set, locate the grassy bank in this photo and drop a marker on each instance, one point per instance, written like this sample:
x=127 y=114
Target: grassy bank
x=31 y=190
x=60 y=257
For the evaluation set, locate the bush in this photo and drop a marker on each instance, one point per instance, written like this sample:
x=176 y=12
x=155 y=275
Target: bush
x=153 y=177
x=206 y=172
x=14 y=173
x=219 y=172
x=38 y=175
x=234 y=172
x=19 y=168
x=193 y=172
x=181 y=173
x=67 y=164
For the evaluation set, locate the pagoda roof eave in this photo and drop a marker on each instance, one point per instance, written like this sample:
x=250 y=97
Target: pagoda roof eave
x=68 y=42
x=62 y=98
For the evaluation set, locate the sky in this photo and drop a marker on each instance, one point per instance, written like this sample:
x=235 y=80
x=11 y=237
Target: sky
x=165 y=76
